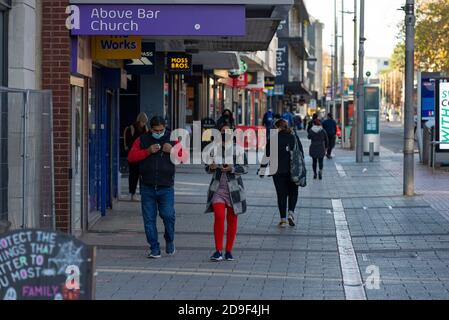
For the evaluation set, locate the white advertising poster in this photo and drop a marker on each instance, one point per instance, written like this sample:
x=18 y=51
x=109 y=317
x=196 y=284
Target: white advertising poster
x=444 y=115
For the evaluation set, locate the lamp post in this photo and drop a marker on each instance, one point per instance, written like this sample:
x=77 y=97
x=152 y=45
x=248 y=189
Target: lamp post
x=409 y=141
x=361 y=87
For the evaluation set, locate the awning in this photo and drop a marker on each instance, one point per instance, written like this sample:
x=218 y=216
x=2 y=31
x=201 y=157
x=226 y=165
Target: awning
x=217 y=60
x=296 y=88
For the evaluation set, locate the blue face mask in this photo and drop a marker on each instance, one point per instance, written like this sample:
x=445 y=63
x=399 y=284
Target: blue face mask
x=158 y=136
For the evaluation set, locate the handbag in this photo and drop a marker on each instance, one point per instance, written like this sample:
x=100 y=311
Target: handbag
x=298 y=169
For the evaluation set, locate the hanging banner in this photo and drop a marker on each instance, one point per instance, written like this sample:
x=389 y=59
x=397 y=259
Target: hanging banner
x=256 y=80
x=145 y=64
x=156 y=20
x=442 y=123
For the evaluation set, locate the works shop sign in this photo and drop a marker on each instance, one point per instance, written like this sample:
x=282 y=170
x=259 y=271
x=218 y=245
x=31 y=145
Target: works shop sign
x=179 y=63
x=443 y=115
x=116 y=47
x=43 y=265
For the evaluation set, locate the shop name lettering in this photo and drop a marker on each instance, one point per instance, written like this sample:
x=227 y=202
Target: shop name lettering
x=22 y=257
x=444 y=126
x=112 y=44
x=179 y=63
x=111 y=19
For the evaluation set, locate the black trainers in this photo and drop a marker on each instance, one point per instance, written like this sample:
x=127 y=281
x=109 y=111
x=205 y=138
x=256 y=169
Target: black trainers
x=315 y=176
x=217 y=256
x=291 y=220
x=320 y=175
x=229 y=257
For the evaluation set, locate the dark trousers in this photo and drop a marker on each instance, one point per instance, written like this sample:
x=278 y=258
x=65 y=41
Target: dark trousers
x=287 y=192
x=133 y=177
x=332 y=140
x=317 y=161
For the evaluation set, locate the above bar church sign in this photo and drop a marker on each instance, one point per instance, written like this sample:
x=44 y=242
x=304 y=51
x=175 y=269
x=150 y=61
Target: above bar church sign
x=156 y=20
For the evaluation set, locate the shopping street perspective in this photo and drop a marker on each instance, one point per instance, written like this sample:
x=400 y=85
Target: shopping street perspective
x=255 y=150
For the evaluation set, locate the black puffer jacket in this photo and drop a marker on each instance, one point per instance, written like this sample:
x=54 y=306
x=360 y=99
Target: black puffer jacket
x=320 y=142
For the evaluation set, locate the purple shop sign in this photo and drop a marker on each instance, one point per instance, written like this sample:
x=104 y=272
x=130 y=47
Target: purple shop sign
x=158 y=20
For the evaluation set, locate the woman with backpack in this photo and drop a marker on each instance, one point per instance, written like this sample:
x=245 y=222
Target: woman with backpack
x=318 y=147
x=286 y=189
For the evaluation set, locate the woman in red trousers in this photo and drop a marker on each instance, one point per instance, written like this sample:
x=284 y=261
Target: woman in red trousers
x=226 y=196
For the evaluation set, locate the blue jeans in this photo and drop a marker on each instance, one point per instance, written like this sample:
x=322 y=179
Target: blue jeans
x=156 y=199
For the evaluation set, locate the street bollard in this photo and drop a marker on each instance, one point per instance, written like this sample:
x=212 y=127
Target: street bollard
x=4 y=226
x=371 y=152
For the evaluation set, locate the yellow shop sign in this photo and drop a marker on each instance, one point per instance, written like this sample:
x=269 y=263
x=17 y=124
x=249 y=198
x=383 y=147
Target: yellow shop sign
x=116 y=47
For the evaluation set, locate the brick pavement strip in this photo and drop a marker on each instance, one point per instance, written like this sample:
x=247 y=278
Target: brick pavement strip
x=401 y=244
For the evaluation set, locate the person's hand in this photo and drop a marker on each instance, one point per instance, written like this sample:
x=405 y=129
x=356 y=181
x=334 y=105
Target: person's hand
x=226 y=169
x=155 y=148
x=167 y=148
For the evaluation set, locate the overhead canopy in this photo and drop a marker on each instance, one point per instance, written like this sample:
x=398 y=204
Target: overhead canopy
x=217 y=60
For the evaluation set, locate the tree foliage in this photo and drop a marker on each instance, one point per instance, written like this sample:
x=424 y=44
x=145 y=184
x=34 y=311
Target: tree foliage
x=432 y=35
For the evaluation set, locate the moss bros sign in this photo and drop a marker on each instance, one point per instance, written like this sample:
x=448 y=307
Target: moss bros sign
x=179 y=63
x=45 y=265
x=156 y=20
x=442 y=123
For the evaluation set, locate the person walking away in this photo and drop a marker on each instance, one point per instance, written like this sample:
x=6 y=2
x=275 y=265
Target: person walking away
x=287 y=116
x=286 y=190
x=298 y=122
x=330 y=125
x=131 y=134
x=311 y=122
x=319 y=143
x=226 y=117
x=267 y=121
x=157 y=171
x=226 y=196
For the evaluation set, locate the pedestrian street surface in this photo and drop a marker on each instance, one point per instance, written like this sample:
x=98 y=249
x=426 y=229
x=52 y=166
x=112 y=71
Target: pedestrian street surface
x=356 y=237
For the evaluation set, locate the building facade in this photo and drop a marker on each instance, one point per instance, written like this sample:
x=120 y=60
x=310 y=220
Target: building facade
x=95 y=97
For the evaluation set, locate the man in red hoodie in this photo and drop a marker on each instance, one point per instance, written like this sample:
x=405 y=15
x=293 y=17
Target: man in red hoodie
x=157 y=178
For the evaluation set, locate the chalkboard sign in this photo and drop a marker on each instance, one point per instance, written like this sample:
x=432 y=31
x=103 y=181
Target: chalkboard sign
x=45 y=265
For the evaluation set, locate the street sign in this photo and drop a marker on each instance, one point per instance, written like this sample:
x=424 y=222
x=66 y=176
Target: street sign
x=45 y=265
x=442 y=116
x=116 y=47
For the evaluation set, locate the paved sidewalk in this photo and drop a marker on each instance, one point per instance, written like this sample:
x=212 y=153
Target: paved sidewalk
x=350 y=225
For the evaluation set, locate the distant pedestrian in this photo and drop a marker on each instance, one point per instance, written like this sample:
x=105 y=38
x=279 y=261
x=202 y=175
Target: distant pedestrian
x=298 y=122
x=330 y=125
x=130 y=135
x=286 y=190
x=267 y=121
x=312 y=122
x=305 y=122
x=226 y=196
x=289 y=117
x=226 y=117
x=157 y=173
x=319 y=143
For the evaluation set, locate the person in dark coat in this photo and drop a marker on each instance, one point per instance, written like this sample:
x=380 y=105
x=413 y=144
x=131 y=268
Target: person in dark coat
x=130 y=135
x=319 y=143
x=311 y=123
x=330 y=125
x=227 y=117
x=286 y=189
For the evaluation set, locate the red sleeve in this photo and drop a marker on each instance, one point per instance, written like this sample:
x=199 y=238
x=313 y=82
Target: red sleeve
x=137 y=154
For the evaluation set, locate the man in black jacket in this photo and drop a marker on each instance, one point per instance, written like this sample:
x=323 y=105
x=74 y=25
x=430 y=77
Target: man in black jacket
x=331 y=129
x=157 y=176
